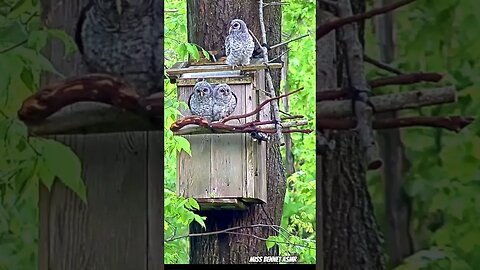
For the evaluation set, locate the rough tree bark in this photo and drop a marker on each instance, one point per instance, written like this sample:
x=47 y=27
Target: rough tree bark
x=351 y=239
x=397 y=207
x=208 y=23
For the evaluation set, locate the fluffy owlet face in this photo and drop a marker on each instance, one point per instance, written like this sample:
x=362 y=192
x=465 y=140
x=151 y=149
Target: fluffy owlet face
x=224 y=101
x=200 y=101
x=237 y=26
x=202 y=89
x=222 y=92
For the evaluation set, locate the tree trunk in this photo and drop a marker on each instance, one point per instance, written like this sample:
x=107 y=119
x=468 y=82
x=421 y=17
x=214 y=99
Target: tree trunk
x=351 y=239
x=208 y=23
x=397 y=206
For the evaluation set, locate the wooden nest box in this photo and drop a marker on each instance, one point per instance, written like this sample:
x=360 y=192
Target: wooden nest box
x=226 y=170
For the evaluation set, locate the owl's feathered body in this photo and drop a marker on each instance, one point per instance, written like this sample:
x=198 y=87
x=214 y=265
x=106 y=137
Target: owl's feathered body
x=124 y=43
x=239 y=44
x=200 y=101
x=224 y=101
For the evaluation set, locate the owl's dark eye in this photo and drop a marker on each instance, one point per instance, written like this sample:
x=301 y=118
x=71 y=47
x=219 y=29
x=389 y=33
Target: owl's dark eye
x=222 y=91
x=236 y=25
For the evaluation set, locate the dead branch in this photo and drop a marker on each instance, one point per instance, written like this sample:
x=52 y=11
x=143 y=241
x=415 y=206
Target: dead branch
x=288 y=41
x=403 y=79
x=381 y=65
x=268 y=76
x=324 y=29
x=91 y=87
x=182 y=127
x=232 y=117
x=179 y=127
x=390 y=102
x=452 y=123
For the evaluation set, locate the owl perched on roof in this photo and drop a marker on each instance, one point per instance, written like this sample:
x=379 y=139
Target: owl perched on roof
x=224 y=101
x=123 y=38
x=200 y=101
x=238 y=44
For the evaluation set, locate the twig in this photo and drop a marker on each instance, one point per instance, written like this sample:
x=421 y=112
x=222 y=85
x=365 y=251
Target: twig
x=288 y=41
x=265 y=239
x=274 y=104
x=232 y=117
x=171 y=10
x=452 y=123
x=220 y=231
x=279 y=56
x=324 y=29
x=13 y=46
x=381 y=65
x=406 y=79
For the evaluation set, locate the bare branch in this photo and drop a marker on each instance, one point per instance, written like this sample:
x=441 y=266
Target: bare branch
x=274 y=104
x=324 y=29
x=406 y=79
x=381 y=65
x=452 y=123
x=288 y=41
x=390 y=102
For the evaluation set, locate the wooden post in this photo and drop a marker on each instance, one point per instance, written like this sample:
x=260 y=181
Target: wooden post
x=121 y=227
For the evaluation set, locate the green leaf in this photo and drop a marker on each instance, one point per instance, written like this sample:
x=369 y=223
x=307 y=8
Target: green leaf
x=45 y=174
x=12 y=33
x=37 y=40
x=70 y=45
x=27 y=78
x=205 y=54
x=182 y=51
x=200 y=221
x=270 y=242
x=183 y=144
x=193 y=203
x=63 y=163
x=192 y=50
x=36 y=60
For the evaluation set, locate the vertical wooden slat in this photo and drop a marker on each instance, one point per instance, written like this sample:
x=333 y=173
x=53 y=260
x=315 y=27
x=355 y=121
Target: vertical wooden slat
x=228 y=155
x=154 y=203
x=193 y=172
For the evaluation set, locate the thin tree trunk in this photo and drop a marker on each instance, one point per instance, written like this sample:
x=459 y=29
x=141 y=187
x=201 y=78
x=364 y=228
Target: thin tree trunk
x=351 y=239
x=208 y=23
x=397 y=207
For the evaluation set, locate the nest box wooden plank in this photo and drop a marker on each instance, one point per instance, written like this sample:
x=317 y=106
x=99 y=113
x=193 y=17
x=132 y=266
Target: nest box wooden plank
x=225 y=170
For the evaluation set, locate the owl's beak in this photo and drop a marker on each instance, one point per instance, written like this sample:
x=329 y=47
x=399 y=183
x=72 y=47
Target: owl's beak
x=118 y=5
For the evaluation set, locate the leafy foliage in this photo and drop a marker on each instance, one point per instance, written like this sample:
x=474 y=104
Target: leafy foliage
x=297 y=235
x=26 y=161
x=443 y=181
